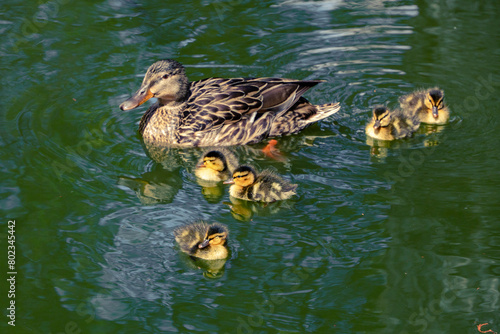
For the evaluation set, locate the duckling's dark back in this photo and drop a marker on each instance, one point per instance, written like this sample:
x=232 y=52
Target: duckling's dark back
x=270 y=187
x=412 y=101
x=404 y=125
x=190 y=236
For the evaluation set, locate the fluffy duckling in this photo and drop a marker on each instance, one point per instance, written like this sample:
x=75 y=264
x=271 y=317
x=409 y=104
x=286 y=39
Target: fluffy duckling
x=428 y=105
x=264 y=187
x=390 y=125
x=216 y=165
x=202 y=240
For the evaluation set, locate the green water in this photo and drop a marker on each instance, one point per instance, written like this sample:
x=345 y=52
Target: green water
x=398 y=239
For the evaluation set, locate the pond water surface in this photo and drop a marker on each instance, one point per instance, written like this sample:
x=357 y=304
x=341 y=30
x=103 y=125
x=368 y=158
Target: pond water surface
x=400 y=238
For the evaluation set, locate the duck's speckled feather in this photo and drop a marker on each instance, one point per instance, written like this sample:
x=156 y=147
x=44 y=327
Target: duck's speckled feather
x=234 y=111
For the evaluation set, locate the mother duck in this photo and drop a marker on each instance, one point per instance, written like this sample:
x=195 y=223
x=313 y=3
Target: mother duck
x=221 y=112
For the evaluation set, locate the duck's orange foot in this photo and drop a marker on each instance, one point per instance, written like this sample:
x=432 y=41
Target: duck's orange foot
x=480 y=329
x=272 y=152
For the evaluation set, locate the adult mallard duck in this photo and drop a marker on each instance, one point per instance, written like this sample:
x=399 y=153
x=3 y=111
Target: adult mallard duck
x=202 y=240
x=427 y=104
x=221 y=112
x=264 y=187
x=390 y=125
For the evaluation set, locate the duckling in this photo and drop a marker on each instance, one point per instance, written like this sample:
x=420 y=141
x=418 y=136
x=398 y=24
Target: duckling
x=202 y=240
x=428 y=105
x=264 y=187
x=390 y=125
x=216 y=165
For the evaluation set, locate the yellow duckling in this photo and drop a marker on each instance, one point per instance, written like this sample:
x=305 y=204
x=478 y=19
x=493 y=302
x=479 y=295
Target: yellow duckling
x=202 y=240
x=221 y=112
x=390 y=125
x=265 y=187
x=216 y=165
x=428 y=105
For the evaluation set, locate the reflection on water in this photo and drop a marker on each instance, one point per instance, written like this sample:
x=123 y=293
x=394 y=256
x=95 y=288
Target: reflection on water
x=212 y=193
x=427 y=135
x=155 y=186
x=212 y=269
x=245 y=210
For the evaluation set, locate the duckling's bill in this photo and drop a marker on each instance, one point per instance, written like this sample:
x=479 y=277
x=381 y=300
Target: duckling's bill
x=435 y=113
x=204 y=244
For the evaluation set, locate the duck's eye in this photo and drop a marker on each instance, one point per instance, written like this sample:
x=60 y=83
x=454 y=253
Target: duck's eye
x=165 y=76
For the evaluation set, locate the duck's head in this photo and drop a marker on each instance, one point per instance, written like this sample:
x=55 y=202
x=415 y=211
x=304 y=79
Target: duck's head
x=165 y=80
x=216 y=236
x=214 y=160
x=243 y=176
x=434 y=101
x=382 y=117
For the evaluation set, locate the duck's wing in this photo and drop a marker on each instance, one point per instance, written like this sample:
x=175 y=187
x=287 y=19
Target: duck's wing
x=215 y=102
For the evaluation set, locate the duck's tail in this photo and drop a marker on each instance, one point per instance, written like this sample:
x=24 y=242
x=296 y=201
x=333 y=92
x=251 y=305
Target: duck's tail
x=324 y=110
x=300 y=117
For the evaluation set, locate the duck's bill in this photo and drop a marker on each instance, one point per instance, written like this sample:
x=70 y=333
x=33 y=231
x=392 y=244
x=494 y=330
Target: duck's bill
x=204 y=244
x=230 y=181
x=435 y=112
x=141 y=96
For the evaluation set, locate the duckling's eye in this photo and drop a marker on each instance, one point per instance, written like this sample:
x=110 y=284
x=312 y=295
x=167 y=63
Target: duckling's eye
x=165 y=76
